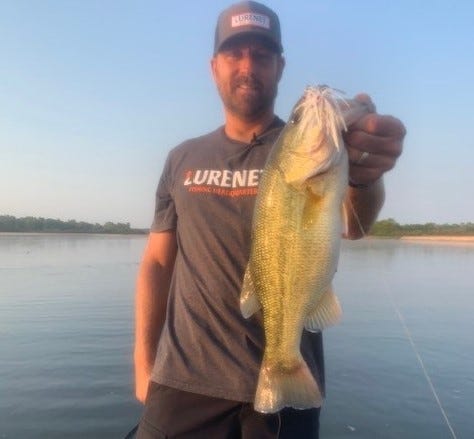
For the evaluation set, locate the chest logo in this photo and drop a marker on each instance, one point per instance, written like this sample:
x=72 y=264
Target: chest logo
x=223 y=182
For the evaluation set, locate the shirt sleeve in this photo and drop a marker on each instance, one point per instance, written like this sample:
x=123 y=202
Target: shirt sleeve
x=165 y=217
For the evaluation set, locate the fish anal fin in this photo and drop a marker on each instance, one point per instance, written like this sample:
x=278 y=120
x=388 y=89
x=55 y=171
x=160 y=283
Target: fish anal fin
x=327 y=312
x=249 y=303
x=279 y=388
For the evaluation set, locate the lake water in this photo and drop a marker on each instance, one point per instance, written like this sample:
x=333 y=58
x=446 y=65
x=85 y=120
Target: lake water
x=399 y=365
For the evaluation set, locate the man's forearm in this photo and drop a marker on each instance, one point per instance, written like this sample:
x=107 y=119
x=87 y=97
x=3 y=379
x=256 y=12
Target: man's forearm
x=150 y=313
x=362 y=205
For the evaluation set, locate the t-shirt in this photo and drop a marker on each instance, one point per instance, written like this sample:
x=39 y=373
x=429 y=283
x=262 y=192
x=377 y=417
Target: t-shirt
x=206 y=194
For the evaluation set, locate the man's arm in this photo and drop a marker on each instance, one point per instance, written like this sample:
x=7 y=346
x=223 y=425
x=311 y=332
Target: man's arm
x=153 y=283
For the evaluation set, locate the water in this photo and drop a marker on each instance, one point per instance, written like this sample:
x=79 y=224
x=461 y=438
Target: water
x=66 y=307
x=66 y=324
x=377 y=387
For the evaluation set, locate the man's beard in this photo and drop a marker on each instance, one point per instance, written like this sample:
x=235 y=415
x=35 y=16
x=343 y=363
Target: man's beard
x=248 y=98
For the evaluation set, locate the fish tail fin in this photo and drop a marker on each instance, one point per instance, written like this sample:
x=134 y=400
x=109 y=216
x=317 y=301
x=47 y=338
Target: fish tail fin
x=326 y=313
x=249 y=303
x=280 y=387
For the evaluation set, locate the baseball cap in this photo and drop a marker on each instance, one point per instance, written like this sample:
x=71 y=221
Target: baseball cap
x=248 y=18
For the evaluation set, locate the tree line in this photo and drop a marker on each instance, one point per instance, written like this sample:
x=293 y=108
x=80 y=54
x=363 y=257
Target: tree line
x=384 y=228
x=390 y=228
x=10 y=223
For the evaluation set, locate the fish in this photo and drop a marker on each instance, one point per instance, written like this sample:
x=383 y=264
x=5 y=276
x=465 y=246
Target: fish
x=296 y=232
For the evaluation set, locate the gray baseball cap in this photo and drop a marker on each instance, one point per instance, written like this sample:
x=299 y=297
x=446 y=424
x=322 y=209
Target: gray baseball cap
x=248 y=18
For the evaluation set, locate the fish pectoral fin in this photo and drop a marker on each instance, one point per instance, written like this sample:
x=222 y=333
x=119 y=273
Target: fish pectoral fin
x=327 y=312
x=316 y=186
x=249 y=303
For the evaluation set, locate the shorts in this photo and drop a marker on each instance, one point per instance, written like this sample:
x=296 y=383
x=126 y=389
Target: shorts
x=172 y=413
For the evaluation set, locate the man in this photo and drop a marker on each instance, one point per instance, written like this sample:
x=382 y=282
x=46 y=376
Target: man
x=199 y=380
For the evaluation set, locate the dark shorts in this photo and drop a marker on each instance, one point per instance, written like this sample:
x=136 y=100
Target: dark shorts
x=172 y=413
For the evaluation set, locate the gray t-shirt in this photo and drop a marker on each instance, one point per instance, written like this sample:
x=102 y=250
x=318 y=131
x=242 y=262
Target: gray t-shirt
x=207 y=194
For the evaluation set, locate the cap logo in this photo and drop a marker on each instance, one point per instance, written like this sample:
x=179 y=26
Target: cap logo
x=250 y=19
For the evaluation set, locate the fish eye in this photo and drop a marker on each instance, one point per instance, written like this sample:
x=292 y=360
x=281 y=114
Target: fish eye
x=295 y=117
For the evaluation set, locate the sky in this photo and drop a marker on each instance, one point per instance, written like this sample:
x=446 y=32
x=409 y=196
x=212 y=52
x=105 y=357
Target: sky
x=94 y=93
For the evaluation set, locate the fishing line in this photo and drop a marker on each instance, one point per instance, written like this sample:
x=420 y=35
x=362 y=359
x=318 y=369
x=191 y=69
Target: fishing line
x=354 y=214
x=408 y=334
x=418 y=356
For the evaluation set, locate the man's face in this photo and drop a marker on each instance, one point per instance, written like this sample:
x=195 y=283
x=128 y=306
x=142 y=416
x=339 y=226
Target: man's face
x=246 y=72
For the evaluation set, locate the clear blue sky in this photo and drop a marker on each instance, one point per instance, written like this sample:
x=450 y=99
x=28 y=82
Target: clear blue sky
x=93 y=94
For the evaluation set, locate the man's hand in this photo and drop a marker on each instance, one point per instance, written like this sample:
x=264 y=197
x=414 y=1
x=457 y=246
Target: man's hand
x=374 y=143
x=142 y=378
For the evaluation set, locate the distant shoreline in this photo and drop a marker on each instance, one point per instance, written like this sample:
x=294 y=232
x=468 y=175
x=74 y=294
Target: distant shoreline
x=439 y=238
x=137 y=233
x=141 y=232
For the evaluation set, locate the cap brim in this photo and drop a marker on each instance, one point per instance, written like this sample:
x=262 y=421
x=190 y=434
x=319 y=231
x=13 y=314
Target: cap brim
x=261 y=35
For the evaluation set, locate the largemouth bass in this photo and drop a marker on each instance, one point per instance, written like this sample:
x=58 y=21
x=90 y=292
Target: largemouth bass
x=296 y=233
